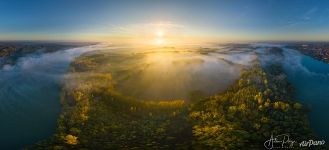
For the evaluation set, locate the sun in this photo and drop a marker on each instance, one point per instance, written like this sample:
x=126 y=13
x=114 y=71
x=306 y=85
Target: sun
x=159 y=33
x=159 y=40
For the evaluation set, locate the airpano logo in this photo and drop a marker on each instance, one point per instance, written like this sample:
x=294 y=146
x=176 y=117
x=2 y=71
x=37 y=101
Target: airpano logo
x=283 y=141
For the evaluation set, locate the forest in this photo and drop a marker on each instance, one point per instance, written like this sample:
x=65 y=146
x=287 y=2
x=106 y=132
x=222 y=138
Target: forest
x=97 y=116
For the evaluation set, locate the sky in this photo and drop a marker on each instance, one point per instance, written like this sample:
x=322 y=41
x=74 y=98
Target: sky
x=217 y=20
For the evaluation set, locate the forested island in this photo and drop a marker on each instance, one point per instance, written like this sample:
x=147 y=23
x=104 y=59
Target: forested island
x=95 y=115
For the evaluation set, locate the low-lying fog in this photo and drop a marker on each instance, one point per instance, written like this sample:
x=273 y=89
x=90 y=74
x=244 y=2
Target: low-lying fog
x=29 y=89
x=168 y=73
x=29 y=97
x=310 y=78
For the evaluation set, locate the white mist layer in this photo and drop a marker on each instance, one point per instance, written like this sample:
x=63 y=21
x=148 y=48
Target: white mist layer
x=29 y=96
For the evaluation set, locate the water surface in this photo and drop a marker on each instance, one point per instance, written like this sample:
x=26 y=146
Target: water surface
x=310 y=78
x=30 y=97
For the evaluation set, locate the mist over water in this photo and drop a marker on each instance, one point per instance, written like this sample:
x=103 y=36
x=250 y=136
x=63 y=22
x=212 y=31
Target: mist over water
x=30 y=89
x=310 y=77
x=167 y=75
x=29 y=96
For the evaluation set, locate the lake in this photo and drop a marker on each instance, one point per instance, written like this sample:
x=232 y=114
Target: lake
x=310 y=78
x=30 y=96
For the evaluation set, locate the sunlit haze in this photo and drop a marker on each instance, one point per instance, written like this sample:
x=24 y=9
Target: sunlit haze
x=164 y=74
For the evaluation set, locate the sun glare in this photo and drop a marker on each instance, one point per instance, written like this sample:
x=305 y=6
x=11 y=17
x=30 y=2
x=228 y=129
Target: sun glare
x=160 y=33
x=159 y=37
x=159 y=41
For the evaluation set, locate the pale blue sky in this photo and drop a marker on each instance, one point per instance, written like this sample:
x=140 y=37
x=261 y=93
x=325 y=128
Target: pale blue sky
x=240 y=19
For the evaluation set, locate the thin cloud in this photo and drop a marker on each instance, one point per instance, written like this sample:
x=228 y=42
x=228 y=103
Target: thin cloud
x=309 y=13
x=312 y=10
x=307 y=16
